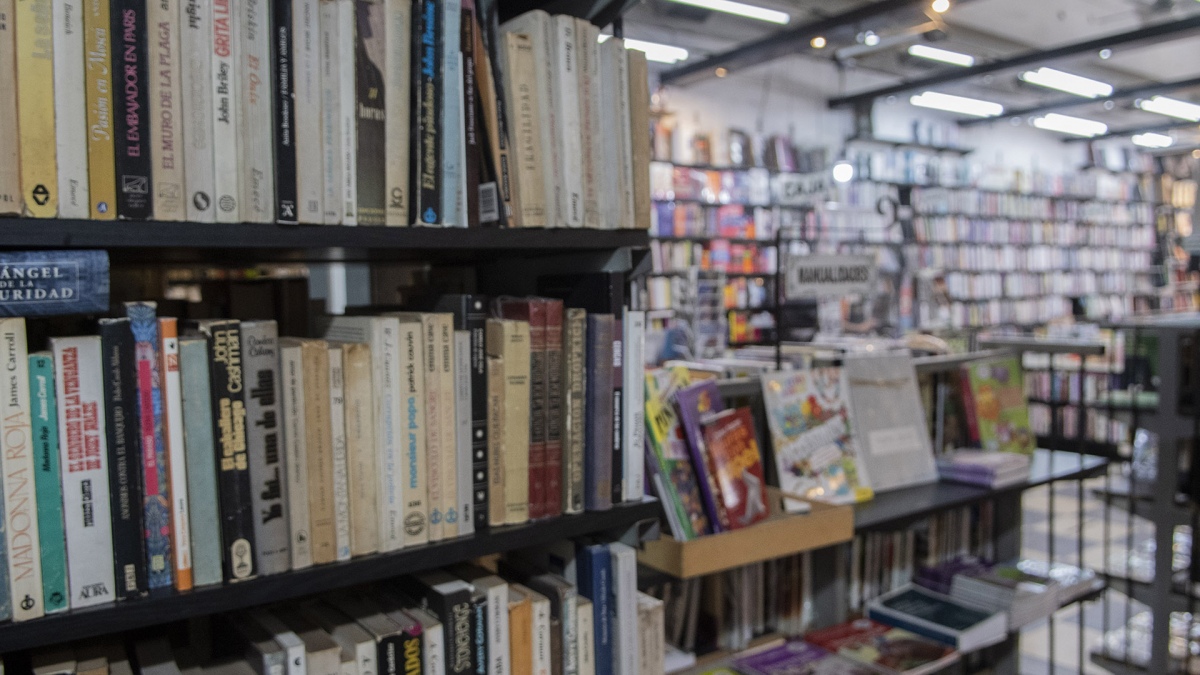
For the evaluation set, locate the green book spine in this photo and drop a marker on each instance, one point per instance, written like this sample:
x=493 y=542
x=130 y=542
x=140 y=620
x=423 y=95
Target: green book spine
x=204 y=518
x=48 y=481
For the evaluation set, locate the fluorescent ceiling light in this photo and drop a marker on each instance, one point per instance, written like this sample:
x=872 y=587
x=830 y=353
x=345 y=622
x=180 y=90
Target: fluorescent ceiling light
x=1066 y=124
x=654 y=51
x=739 y=9
x=1152 y=140
x=1072 y=84
x=943 y=55
x=1171 y=108
x=958 y=104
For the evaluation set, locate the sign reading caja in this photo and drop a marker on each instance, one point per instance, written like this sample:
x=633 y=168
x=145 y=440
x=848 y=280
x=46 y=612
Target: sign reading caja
x=825 y=276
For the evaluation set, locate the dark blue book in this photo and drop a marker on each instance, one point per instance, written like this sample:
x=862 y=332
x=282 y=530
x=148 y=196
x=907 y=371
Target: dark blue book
x=595 y=583
x=48 y=283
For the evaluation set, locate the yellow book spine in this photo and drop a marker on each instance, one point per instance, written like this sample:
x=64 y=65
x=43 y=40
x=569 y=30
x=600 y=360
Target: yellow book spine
x=102 y=178
x=10 y=174
x=35 y=107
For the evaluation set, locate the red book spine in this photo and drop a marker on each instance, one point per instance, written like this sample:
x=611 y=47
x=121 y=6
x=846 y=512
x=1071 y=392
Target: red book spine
x=969 y=407
x=555 y=396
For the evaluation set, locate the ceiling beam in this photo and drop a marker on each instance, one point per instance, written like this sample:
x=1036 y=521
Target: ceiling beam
x=1158 y=128
x=1073 y=101
x=783 y=43
x=949 y=75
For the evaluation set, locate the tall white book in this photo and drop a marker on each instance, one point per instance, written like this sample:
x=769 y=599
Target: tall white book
x=588 y=51
x=78 y=378
x=195 y=44
x=449 y=424
x=332 y=164
x=167 y=154
x=172 y=393
x=347 y=118
x=257 y=168
x=624 y=142
x=634 y=414
x=226 y=145
x=341 y=481
x=413 y=395
x=70 y=113
x=396 y=95
x=566 y=72
x=306 y=49
x=584 y=624
x=295 y=454
x=624 y=588
x=462 y=425
x=433 y=642
x=452 y=120
x=611 y=52
x=541 y=632
x=20 y=503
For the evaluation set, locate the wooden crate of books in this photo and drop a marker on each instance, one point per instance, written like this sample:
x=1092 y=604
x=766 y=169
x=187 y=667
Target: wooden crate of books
x=780 y=535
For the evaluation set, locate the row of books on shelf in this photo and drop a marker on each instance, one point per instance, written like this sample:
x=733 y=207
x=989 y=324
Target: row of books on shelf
x=1098 y=426
x=934 y=171
x=982 y=203
x=146 y=458
x=754 y=293
x=734 y=149
x=1043 y=258
x=712 y=186
x=988 y=285
x=1068 y=386
x=321 y=113
x=937 y=314
x=734 y=221
x=909 y=166
x=572 y=607
x=964 y=229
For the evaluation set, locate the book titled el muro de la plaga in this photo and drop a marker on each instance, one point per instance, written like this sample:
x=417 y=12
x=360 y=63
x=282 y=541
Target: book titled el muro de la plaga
x=47 y=283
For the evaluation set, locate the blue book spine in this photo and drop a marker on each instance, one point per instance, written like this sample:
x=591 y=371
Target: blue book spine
x=156 y=498
x=47 y=283
x=47 y=479
x=204 y=517
x=595 y=584
x=452 y=123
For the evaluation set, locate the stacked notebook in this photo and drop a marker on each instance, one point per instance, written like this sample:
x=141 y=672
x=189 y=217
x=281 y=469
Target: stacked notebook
x=984 y=468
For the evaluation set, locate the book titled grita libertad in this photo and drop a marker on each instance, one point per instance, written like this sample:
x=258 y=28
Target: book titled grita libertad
x=48 y=283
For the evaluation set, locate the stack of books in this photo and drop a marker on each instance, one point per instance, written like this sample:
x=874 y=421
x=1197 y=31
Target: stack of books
x=987 y=469
x=962 y=626
x=1073 y=582
x=1023 y=597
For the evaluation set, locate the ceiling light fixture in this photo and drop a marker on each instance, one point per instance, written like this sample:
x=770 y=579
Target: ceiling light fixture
x=1076 y=126
x=843 y=171
x=1153 y=140
x=818 y=42
x=1106 y=54
x=940 y=6
x=1171 y=107
x=942 y=55
x=1072 y=84
x=656 y=52
x=957 y=104
x=721 y=71
x=739 y=9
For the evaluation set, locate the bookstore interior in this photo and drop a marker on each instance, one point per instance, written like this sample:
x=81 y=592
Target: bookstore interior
x=599 y=337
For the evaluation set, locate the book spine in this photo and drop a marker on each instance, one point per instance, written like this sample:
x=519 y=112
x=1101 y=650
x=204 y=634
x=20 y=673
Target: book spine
x=229 y=431
x=70 y=113
x=624 y=143
x=599 y=423
x=538 y=381
x=639 y=111
x=495 y=434
x=574 y=414
x=156 y=496
x=447 y=421
x=204 y=518
x=479 y=635
x=167 y=152
x=553 y=419
x=472 y=143
x=47 y=480
x=134 y=165
x=464 y=444
x=386 y=357
x=634 y=414
x=337 y=425
x=264 y=445
x=585 y=626
x=172 y=394
x=451 y=112
x=79 y=382
x=570 y=140
x=589 y=119
x=480 y=430
x=609 y=170
x=517 y=412
x=529 y=197
x=322 y=507
x=541 y=636
x=414 y=484
x=624 y=609
x=35 y=108
x=397 y=76
x=428 y=75
x=496 y=195
x=257 y=170
x=595 y=583
x=371 y=112
x=124 y=448
x=10 y=137
x=331 y=103
x=968 y=402
x=294 y=437
x=283 y=68
x=308 y=117
x=433 y=649
x=348 y=182
x=226 y=55
x=618 y=408
x=433 y=427
x=20 y=505
x=360 y=449
x=195 y=43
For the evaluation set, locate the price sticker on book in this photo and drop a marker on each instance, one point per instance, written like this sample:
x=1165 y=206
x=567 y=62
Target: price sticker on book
x=827 y=276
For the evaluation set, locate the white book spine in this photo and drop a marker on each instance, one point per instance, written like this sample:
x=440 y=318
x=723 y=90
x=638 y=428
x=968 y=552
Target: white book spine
x=624 y=143
x=172 y=392
x=434 y=443
x=551 y=118
x=347 y=120
x=83 y=455
x=571 y=144
x=341 y=482
x=295 y=453
x=449 y=424
x=414 y=491
x=166 y=133
x=306 y=48
x=385 y=353
x=70 y=112
x=195 y=42
x=433 y=643
x=452 y=138
x=625 y=632
x=397 y=75
x=593 y=156
x=610 y=211
x=541 y=635
x=463 y=206
x=462 y=425
x=331 y=103
x=257 y=121
x=585 y=620
x=634 y=373
x=293 y=646
x=20 y=503
x=498 y=635
x=226 y=143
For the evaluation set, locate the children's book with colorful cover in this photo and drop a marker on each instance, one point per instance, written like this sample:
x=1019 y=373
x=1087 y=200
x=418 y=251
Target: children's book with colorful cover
x=694 y=402
x=732 y=447
x=815 y=453
x=884 y=648
x=996 y=407
x=797 y=657
x=667 y=449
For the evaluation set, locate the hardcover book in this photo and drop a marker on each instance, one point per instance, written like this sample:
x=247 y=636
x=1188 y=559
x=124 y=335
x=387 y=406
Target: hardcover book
x=47 y=476
x=884 y=648
x=533 y=312
x=553 y=369
x=598 y=425
x=129 y=56
x=625 y=607
x=639 y=111
x=34 y=96
x=509 y=341
x=20 y=499
x=996 y=407
x=70 y=114
x=694 y=402
x=529 y=195
x=474 y=170
x=634 y=397
x=667 y=450
x=167 y=150
x=815 y=453
x=893 y=438
x=264 y=445
x=544 y=106
x=46 y=283
x=181 y=535
x=204 y=515
x=195 y=42
x=730 y=441
x=588 y=50
x=370 y=112
x=596 y=584
x=574 y=425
